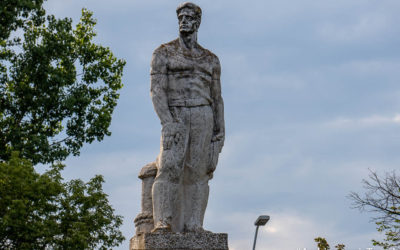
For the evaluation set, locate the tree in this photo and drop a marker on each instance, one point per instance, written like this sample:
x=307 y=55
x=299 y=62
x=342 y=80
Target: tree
x=322 y=243
x=58 y=89
x=40 y=211
x=382 y=197
x=340 y=246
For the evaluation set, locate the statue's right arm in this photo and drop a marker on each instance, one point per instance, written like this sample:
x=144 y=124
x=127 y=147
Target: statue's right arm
x=159 y=96
x=158 y=87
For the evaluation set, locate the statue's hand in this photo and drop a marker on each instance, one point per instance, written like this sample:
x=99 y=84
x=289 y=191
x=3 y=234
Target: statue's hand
x=170 y=134
x=219 y=137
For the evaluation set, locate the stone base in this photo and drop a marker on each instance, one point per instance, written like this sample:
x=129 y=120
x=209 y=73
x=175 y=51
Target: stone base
x=181 y=241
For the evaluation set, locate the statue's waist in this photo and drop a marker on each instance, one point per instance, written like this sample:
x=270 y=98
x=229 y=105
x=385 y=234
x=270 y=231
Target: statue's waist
x=189 y=102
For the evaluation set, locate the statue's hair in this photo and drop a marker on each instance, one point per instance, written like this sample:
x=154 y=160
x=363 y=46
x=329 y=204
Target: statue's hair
x=197 y=9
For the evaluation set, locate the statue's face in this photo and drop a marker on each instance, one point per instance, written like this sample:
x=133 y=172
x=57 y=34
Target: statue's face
x=187 y=21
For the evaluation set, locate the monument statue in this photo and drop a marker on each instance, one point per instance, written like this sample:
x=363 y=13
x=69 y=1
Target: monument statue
x=186 y=94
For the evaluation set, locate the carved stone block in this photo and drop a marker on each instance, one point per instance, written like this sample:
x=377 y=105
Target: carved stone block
x=181 y=241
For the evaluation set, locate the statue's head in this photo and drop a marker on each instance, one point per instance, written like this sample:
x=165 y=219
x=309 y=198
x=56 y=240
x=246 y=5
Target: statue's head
x=189 y=17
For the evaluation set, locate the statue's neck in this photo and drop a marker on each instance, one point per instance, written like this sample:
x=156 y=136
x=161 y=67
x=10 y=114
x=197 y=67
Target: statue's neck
x=188 y=41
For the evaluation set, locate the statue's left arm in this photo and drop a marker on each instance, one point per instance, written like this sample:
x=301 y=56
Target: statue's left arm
x=218 y=104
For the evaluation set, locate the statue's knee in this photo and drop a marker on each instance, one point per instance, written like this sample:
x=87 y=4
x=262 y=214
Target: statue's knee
x=196 y=175
x=169 y=175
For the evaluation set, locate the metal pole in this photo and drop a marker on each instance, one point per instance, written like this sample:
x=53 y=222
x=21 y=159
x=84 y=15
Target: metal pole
x=255 y=239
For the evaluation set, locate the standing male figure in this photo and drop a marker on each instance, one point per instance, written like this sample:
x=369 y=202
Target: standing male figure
x=186 y=94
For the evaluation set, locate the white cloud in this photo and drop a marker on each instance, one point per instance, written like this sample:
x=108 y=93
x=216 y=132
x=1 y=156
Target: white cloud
x=368 y=26
x=287 y=229
x=386 y=70
x=363 y=122
x=114 y=165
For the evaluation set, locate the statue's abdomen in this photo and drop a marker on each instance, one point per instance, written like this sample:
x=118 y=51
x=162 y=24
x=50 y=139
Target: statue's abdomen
x=189 y=82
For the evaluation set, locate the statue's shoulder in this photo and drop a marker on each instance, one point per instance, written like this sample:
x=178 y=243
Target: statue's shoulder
x=213 y=57
x=166 y=48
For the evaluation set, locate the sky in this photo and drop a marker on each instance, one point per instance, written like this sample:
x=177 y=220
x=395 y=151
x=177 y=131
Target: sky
x=312 y=102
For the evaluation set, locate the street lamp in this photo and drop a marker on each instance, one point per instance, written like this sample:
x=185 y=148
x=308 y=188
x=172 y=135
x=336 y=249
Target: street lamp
x=261 y=221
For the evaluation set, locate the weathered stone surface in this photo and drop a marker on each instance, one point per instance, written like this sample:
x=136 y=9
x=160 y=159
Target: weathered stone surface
x=186 y=94
x=150 y=170
x=144 y=222
x=181 y=241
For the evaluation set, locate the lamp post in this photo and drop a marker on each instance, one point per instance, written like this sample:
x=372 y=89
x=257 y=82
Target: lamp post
x=261 y=221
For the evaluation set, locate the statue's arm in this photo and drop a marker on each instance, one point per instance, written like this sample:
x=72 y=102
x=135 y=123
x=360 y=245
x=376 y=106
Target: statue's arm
x=158 y=87
x=159 y=96
x=218 y=104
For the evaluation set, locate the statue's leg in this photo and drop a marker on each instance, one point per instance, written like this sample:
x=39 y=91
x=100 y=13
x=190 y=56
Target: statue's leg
x=167 y=188
x=195 y=178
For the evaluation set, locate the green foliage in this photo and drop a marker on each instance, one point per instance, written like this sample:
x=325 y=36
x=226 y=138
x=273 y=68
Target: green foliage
x=13 y=14
x=40 y=211
x=382 y=197
x=322 y=243
x=340 y=246
x=58 y=89
x=391 y=231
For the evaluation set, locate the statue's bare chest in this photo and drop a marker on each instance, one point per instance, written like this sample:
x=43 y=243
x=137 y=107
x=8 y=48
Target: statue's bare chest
x=179 y=64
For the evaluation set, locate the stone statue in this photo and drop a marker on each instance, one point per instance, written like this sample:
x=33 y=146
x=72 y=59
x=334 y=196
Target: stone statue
x=186 y=94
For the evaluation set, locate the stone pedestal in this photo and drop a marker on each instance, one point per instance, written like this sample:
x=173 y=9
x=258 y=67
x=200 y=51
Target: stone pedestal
x=179 y=241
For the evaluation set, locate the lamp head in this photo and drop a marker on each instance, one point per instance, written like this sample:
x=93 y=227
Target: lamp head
x=262 y=220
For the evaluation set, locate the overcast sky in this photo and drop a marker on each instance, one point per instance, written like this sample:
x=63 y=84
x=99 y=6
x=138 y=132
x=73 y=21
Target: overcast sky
x=312 y=100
